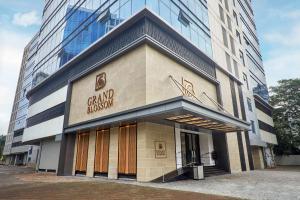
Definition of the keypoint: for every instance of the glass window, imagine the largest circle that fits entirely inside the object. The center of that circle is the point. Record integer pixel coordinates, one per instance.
(228, 62)
(249, 104)
(253, 126)
(242, 57)
(225, 40)
(226, 5)
(232, 45)
(221, 12)
(236, 18)
(245, 78)
(236, 69)
(229, 23)
(238, 35)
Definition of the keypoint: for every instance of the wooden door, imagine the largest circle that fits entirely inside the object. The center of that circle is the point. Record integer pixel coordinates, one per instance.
(101, 154)
(82, 152)
(127, 150)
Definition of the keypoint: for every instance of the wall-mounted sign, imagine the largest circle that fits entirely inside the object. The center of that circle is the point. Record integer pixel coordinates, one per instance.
(188, 88)
(101, 100)
(160, 149)
(100, 81)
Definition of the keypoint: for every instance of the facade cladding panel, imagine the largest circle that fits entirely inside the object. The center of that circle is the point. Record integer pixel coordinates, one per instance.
(80, 38)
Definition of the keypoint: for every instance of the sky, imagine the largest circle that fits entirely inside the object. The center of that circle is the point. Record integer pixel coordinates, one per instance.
(278, 27)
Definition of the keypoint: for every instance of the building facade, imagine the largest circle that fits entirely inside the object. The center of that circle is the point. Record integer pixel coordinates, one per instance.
(100, 107)
(15, 151)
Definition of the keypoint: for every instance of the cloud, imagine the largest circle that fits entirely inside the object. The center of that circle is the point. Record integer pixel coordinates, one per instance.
(282, 64)
(11, 51)
(286, 37)
(284, 13)
(26, 19)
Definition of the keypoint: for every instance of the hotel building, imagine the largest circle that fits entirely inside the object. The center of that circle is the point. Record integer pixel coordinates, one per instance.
(148, 88)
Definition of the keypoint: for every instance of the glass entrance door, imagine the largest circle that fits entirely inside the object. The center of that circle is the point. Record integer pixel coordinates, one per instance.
(190, 148)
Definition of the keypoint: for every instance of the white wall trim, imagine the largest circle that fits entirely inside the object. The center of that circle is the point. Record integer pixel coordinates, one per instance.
(45, 129)
(49, 101)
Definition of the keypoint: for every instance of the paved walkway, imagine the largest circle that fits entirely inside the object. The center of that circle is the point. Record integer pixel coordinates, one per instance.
(280, 183)
(18, 185)
(258, 185)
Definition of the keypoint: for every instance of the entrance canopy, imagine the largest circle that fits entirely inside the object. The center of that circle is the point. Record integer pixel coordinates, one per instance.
(180, 110)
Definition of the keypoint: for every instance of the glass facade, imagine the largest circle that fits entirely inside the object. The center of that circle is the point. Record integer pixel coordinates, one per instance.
(26, 85)
(71, 26)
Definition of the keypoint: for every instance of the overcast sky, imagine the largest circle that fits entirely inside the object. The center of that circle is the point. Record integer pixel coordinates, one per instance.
(278, 24)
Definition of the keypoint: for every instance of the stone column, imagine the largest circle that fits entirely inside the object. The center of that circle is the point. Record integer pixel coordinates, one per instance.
(233, 152)
(245, 151)
(75, 154)
(91, 154)
(113, 153)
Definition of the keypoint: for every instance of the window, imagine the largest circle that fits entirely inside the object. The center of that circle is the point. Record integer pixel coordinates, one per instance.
(232, 45)
(249, 104)
(245, 78)
(30, 150)
(228, 62)
(183, 18)
(226, 5)
(233, 2)
(236, 68)
(253, 126)
(221, 11)
(236, 18)
(225, 40)
(229, 23)
(238, 35)
(24, 92)
(242, 57)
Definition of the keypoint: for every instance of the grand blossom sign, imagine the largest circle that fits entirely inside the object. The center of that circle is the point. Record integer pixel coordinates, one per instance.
(103, 99)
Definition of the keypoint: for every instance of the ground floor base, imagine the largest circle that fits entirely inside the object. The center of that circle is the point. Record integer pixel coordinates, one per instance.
(17, 159)
(263, 157)
(146, 151)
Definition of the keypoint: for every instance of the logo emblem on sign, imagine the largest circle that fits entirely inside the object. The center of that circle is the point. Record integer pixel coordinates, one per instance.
(188, 88)
(100, 81)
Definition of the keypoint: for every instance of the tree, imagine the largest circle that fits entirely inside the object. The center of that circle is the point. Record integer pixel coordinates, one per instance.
(2, 143)
(285, 98)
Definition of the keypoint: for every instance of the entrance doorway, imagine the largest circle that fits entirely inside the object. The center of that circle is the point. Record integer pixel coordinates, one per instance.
(82, 152)
(127, 150)
(190, 147)
(101, 152)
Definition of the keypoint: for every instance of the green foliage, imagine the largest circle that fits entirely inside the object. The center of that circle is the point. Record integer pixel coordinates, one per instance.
(285, 99)
(2, 143)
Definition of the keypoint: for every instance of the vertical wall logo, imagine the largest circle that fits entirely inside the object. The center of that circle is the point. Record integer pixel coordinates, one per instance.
(100, 81)
(187, 87)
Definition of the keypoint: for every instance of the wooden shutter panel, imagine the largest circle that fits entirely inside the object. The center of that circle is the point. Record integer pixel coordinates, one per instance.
(127, 150)
(82, 152)
(101, 154)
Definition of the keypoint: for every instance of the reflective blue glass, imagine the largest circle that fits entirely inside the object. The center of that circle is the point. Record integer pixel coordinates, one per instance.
(71, 26)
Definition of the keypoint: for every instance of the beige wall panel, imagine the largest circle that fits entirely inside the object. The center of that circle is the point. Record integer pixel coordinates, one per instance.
(74, 157)
(245, 151)
(113, 153)
(257, 158)
(136, 82)
(264, 117)
(91, 154)
(149, 167)
(225, 91)
(159, 85)
(125, 75)
(268, 137)
(233, 151)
